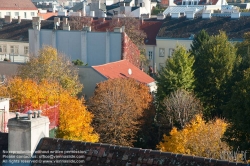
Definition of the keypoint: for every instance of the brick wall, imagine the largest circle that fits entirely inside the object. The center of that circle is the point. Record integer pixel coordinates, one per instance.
(130, 51)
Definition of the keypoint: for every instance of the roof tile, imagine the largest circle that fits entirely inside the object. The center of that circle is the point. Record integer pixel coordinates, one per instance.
(120, 69)
(17, 5)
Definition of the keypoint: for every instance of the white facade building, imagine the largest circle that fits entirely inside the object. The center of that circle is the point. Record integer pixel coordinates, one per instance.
(14, 8)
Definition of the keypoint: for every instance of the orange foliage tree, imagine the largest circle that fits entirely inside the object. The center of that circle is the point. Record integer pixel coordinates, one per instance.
(72, 116)
(197, 138)
(119, 106)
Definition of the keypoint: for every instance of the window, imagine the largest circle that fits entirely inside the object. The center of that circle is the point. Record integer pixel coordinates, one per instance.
(7, 13)
(25, 15)
(161, 52)
(3, 49)
(150, 55)
(0, 15)
(26, 50)
(32, 13)
(16, 13)
(171, 51)
(14, 49)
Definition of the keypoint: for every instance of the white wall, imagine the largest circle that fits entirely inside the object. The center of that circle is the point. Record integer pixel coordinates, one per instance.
(21, 13)
(4, 113)
(93, 48)
(18, 57)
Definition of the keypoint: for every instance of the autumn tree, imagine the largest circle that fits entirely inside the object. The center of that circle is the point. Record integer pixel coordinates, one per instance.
(119, 107)
(71, 117)
(197, 138)
(177, 74)
(132, 29)
(52, 65)
(214, 62)
(78, 22)
(238, 114)
(179, 108)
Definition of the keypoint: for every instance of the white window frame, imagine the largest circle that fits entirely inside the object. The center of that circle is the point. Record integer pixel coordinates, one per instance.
(162, 52)
(16, 13)
(171, 51)
(32, 14)
(3, 49)
(14, 49)
(26, 50)
(150, 54)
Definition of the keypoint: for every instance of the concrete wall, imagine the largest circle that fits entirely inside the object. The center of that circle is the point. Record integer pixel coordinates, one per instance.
(20, 13)
(93, 48)
(89, 77)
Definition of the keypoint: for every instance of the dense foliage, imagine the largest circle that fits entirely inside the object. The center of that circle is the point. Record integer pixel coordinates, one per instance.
(120, 107)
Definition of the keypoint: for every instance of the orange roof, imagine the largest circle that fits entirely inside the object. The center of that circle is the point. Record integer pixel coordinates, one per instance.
(121, 69)
(45, 16)
(17, 5)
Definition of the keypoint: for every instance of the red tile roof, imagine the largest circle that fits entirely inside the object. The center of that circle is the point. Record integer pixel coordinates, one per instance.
(45, 16)
(17, 5)
(120, 69)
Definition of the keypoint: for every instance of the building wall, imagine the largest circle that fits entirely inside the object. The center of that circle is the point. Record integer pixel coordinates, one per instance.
(168, 45)
(89, 77)
(93, 48)
(15, 13)
(19, 56)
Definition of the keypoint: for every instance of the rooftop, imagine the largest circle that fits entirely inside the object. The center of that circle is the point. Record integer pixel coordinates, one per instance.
(17, 5)
(184, 28)
(123, 68)
(106, 154)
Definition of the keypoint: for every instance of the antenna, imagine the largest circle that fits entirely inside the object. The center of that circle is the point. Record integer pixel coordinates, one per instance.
(129, 71)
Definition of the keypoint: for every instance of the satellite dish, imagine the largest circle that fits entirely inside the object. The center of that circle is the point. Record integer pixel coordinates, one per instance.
(129, 71)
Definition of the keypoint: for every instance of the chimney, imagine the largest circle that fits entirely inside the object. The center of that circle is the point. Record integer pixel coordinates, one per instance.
(19, 20)
(56, 22)
(25, 133)
(8, 19)
(86, 28)
(65, 21)
(36, 23)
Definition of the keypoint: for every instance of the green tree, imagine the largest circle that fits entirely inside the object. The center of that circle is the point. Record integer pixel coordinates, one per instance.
(177, 74)
(197, 44)
(51, 65)
(237, 112)
(214, 63)
(79, 63)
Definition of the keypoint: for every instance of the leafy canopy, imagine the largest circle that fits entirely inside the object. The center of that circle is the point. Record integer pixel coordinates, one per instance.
(197, 138)
(119, 106)
(51, 65)
(177, 74)
(73, 118)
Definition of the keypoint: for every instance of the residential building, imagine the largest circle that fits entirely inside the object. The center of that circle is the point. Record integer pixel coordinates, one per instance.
(93, 48)
(91, 76)
(14, 8)
(181, 31)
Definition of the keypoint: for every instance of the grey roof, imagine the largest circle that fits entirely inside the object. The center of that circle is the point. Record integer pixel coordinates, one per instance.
(93, 154)
(19, 32)
(184, 28)
(77, 7)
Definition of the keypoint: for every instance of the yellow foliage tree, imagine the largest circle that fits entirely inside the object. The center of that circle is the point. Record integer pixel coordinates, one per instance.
(52, 65)
(197, 138)
(74, 119)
